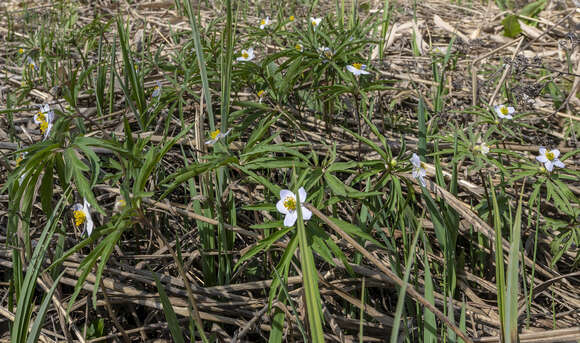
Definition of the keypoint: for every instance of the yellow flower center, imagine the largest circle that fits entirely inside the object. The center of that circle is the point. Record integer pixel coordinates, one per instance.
(80, 217)
(504, 110)
(21, 51)
(314, 23)
(263, 22)
(32, 66)
(40, 116)
(550, 155)
(43, 126)
(121, 203)
(18, 160)
(291, 18)
(328, 53)
(298, 47)
(357, 65)
(245, 54)
(290, 203)
(214, 134)
(260, 93)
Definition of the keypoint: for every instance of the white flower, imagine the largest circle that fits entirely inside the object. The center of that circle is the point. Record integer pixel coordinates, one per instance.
(315, 22)
(550, 158)
(357, 68)
(82, 215)
(482, 147)
(504, 112)
(264, 23)
(299, 47)
(419, 171)
(156, 89)
(31, 64)
(247, 55)
(120, 204)
(216, 135)
(287, 205)
(439, 50)
(44, 118)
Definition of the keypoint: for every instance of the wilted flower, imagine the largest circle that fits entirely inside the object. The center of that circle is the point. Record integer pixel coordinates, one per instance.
(357, 68)
(326, 52)
(82, 215)
(439, 50)
(216, 135)
(504, 112)
(550, 158)
(261, 95)
(419, 171)
(264, 23)
(287, 206)
(247, 55)
(156, 89)
(315, 22)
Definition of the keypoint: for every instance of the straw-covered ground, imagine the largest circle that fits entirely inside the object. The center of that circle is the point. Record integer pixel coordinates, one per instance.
(289, 171)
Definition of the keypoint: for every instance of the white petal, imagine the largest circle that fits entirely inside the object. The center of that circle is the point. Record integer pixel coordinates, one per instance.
(509, 116)
(77, 207)
(302, 194)
(559, 163)
(306, 213)
(542, 158)
(423, 183)
(352, 69)
(422, 172)
(511, 110)
(280, 207)
(284, 193)
(416, 161)
(542, 151)
(415, 173)
(89, 224)
(290, 218)
(211, 141)
(556, 153)
(549, 165)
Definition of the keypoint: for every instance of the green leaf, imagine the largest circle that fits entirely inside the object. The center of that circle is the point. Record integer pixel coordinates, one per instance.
(511, 27)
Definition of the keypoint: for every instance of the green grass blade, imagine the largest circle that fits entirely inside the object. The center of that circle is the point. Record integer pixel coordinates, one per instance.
(169, 313)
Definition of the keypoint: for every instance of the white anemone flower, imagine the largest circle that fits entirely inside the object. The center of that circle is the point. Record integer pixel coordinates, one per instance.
(299, 47)
(216, 135)
(120, 204)
(482, 147)
(357, 68)
(247, 55)
(315, 22)
(439, 50)
(264, 23)
(504, 112)
(44, 118)
(287, 206)
(550, 158)
(31, 64)
(156, 89)
(82, 215)
(419, 171)
(261, 93)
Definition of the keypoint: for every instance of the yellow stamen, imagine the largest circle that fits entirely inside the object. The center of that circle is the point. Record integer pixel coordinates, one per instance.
(290, 203)
(40, 116)
(298, 47)
(43, 126)
(245, 54)
(504, 110)
(21, 51)
(80, 217)
(314, 23)
(550, 155)
(260, 93)
(357, 65)
(214, 134)
(291, 18)
(32, 66)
